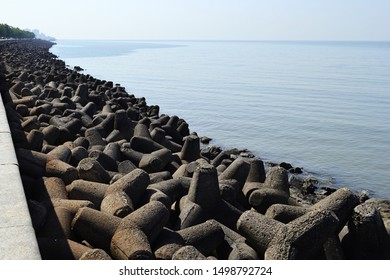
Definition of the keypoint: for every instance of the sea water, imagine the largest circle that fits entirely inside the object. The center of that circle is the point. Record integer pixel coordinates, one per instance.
(323, 106)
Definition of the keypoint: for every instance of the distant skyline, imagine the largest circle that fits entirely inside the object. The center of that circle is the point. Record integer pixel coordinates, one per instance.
(339, 20)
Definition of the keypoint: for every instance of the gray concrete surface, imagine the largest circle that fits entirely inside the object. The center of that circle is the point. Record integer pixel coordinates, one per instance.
(17, 236)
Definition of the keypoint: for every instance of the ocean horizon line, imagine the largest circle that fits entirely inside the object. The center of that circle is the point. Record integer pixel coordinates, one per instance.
(228, 40)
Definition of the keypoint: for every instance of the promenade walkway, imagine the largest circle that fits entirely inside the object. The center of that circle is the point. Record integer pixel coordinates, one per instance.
(17, 237)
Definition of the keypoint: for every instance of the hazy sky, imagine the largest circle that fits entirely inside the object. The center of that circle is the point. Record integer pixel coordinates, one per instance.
(202, 19)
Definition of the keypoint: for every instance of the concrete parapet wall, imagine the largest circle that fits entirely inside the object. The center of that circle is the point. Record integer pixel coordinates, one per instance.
(17, 237)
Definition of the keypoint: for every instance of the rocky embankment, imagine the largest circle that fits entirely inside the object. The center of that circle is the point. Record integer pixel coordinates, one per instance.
(108, 177)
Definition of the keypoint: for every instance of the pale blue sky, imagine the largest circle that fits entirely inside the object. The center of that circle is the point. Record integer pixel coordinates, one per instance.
(203, 19)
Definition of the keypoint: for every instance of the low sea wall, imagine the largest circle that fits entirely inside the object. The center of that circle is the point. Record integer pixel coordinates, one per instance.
(97, 173)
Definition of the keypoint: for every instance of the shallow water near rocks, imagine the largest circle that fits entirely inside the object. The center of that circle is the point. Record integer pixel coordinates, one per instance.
(323, 106)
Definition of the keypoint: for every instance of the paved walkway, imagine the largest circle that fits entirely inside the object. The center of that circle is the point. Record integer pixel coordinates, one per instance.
(17, 237)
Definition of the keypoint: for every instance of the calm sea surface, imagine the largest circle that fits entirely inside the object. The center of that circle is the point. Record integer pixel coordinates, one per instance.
(323, 106)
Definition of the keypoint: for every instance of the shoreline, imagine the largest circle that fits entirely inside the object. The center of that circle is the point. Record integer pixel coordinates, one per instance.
(90, 152)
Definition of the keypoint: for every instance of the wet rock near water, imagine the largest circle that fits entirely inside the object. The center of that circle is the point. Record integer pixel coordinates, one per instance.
(107, 176)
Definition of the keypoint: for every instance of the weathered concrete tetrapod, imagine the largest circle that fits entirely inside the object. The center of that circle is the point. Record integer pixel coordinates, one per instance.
(52, 188)
(90, 169)
(172, 188)
(105, 127)
(96, 227)
(31, 163)
(87, 190)
(35, 140)
(50, 134)
(81, 142)
(138, 230)
(142, 130)
(258, 229)
(238, 170)
(242, 251)
(229, 189)
(144, 145)
(285, 213)
(89, 109)
(117, 203)
(104, 159)
(66, 249)
(123, 124)
(78, 153)
(204, 202)
(133, 186)
(61, 152)
(113, 150)
(94, 138)
(171, 129)
(191, 149)
(203, 192)
(153, 162)
(219, 158)
(157, 177)
(188, 252)
(256, 171)
(204, 188)
(262, 199)
(235, 246)
(126, 166)
(206, 237)
(167, 243)
(367, 237)
(61, 169)
(304, 237)
(333, 249)
(158, 135)
(72, 205)
(341, 202)
(277, 178)
(274, 190)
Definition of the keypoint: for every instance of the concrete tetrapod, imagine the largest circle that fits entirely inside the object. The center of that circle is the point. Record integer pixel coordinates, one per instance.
(191, 149)
(66, 249)
(150, 162)
(341, 202)
(367, 237)
(119, 198)
(90, 169)
(258, 229)
(188, 252)
(138, 230)
(205, 237)
(203, 201)
(167, 191)
(254, 226)
(127, 238)
(275, 189)
(303, 238)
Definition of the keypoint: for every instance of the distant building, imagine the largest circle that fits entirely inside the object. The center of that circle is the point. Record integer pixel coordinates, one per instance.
(42, 36)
